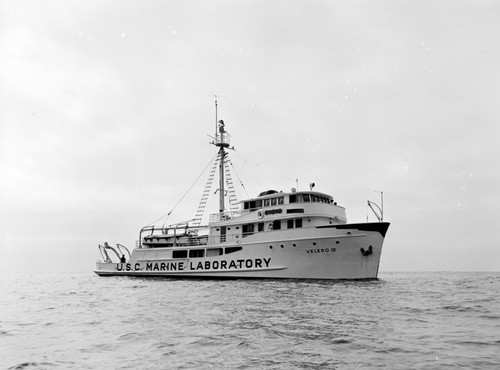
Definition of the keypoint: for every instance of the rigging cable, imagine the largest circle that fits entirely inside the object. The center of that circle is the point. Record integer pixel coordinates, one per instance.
(239, 179)
(180, 200)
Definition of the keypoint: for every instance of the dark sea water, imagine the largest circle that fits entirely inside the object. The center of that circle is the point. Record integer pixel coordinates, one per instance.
(402, 321)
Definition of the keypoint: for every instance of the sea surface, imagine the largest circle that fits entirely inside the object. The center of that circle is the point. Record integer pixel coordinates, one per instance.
(441, 320)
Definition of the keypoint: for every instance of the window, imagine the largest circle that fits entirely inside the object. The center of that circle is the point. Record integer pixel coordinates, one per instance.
(295, 210)
(276, 225)
(196, 253)
(289, 224)
(292, 198)
(266, 202)
(273, 201)
(281, 200)
(255, 204)
(305, 197)
(248, 229)
(233, 249)
(298, 222)
(180, 254)
(212, 252)
(260, 226)
(223, 234)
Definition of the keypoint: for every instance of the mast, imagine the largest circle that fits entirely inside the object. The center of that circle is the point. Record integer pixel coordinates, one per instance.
(222, 142)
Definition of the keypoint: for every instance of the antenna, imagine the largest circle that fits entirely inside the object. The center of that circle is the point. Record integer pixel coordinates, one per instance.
(216, 98)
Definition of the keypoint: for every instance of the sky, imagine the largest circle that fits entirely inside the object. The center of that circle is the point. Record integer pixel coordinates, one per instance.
(106, 108)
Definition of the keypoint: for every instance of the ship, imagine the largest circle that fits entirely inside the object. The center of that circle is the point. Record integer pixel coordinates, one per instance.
(299, 234)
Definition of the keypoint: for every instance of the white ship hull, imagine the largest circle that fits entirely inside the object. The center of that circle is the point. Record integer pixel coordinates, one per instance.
(300, 234)
(325, 252)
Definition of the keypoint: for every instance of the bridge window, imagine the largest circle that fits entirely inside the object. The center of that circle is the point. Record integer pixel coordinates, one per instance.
(266, 202)
(281, 200)
(273, 201)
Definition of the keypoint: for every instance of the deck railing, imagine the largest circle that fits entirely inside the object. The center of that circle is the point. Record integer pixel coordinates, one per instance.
(223, 216)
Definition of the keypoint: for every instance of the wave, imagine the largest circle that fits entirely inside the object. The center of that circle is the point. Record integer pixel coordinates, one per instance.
(32, 365)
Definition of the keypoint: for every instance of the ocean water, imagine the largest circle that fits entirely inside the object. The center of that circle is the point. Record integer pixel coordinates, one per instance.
(402, 321)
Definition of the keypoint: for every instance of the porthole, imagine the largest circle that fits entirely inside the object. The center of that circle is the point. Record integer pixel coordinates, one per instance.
(314, 243)
(337, 242)
(294, 244)
(282, 246)
(270, 247)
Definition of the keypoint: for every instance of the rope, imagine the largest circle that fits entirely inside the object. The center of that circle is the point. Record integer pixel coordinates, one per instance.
(239, 179)
(180, 200)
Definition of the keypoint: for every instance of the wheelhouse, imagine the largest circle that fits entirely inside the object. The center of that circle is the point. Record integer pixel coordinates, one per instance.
(273, 198)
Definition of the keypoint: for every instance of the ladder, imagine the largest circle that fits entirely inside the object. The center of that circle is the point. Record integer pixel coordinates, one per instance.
(206, 193)
(233, 200)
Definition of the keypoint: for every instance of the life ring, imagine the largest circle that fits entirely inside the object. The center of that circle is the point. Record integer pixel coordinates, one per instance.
(260, 214)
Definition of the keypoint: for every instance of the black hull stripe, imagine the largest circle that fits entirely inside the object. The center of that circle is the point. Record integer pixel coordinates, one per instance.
(380, 227)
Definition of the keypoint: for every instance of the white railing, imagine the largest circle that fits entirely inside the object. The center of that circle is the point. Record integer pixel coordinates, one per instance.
(222, 138)
(222, 216)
